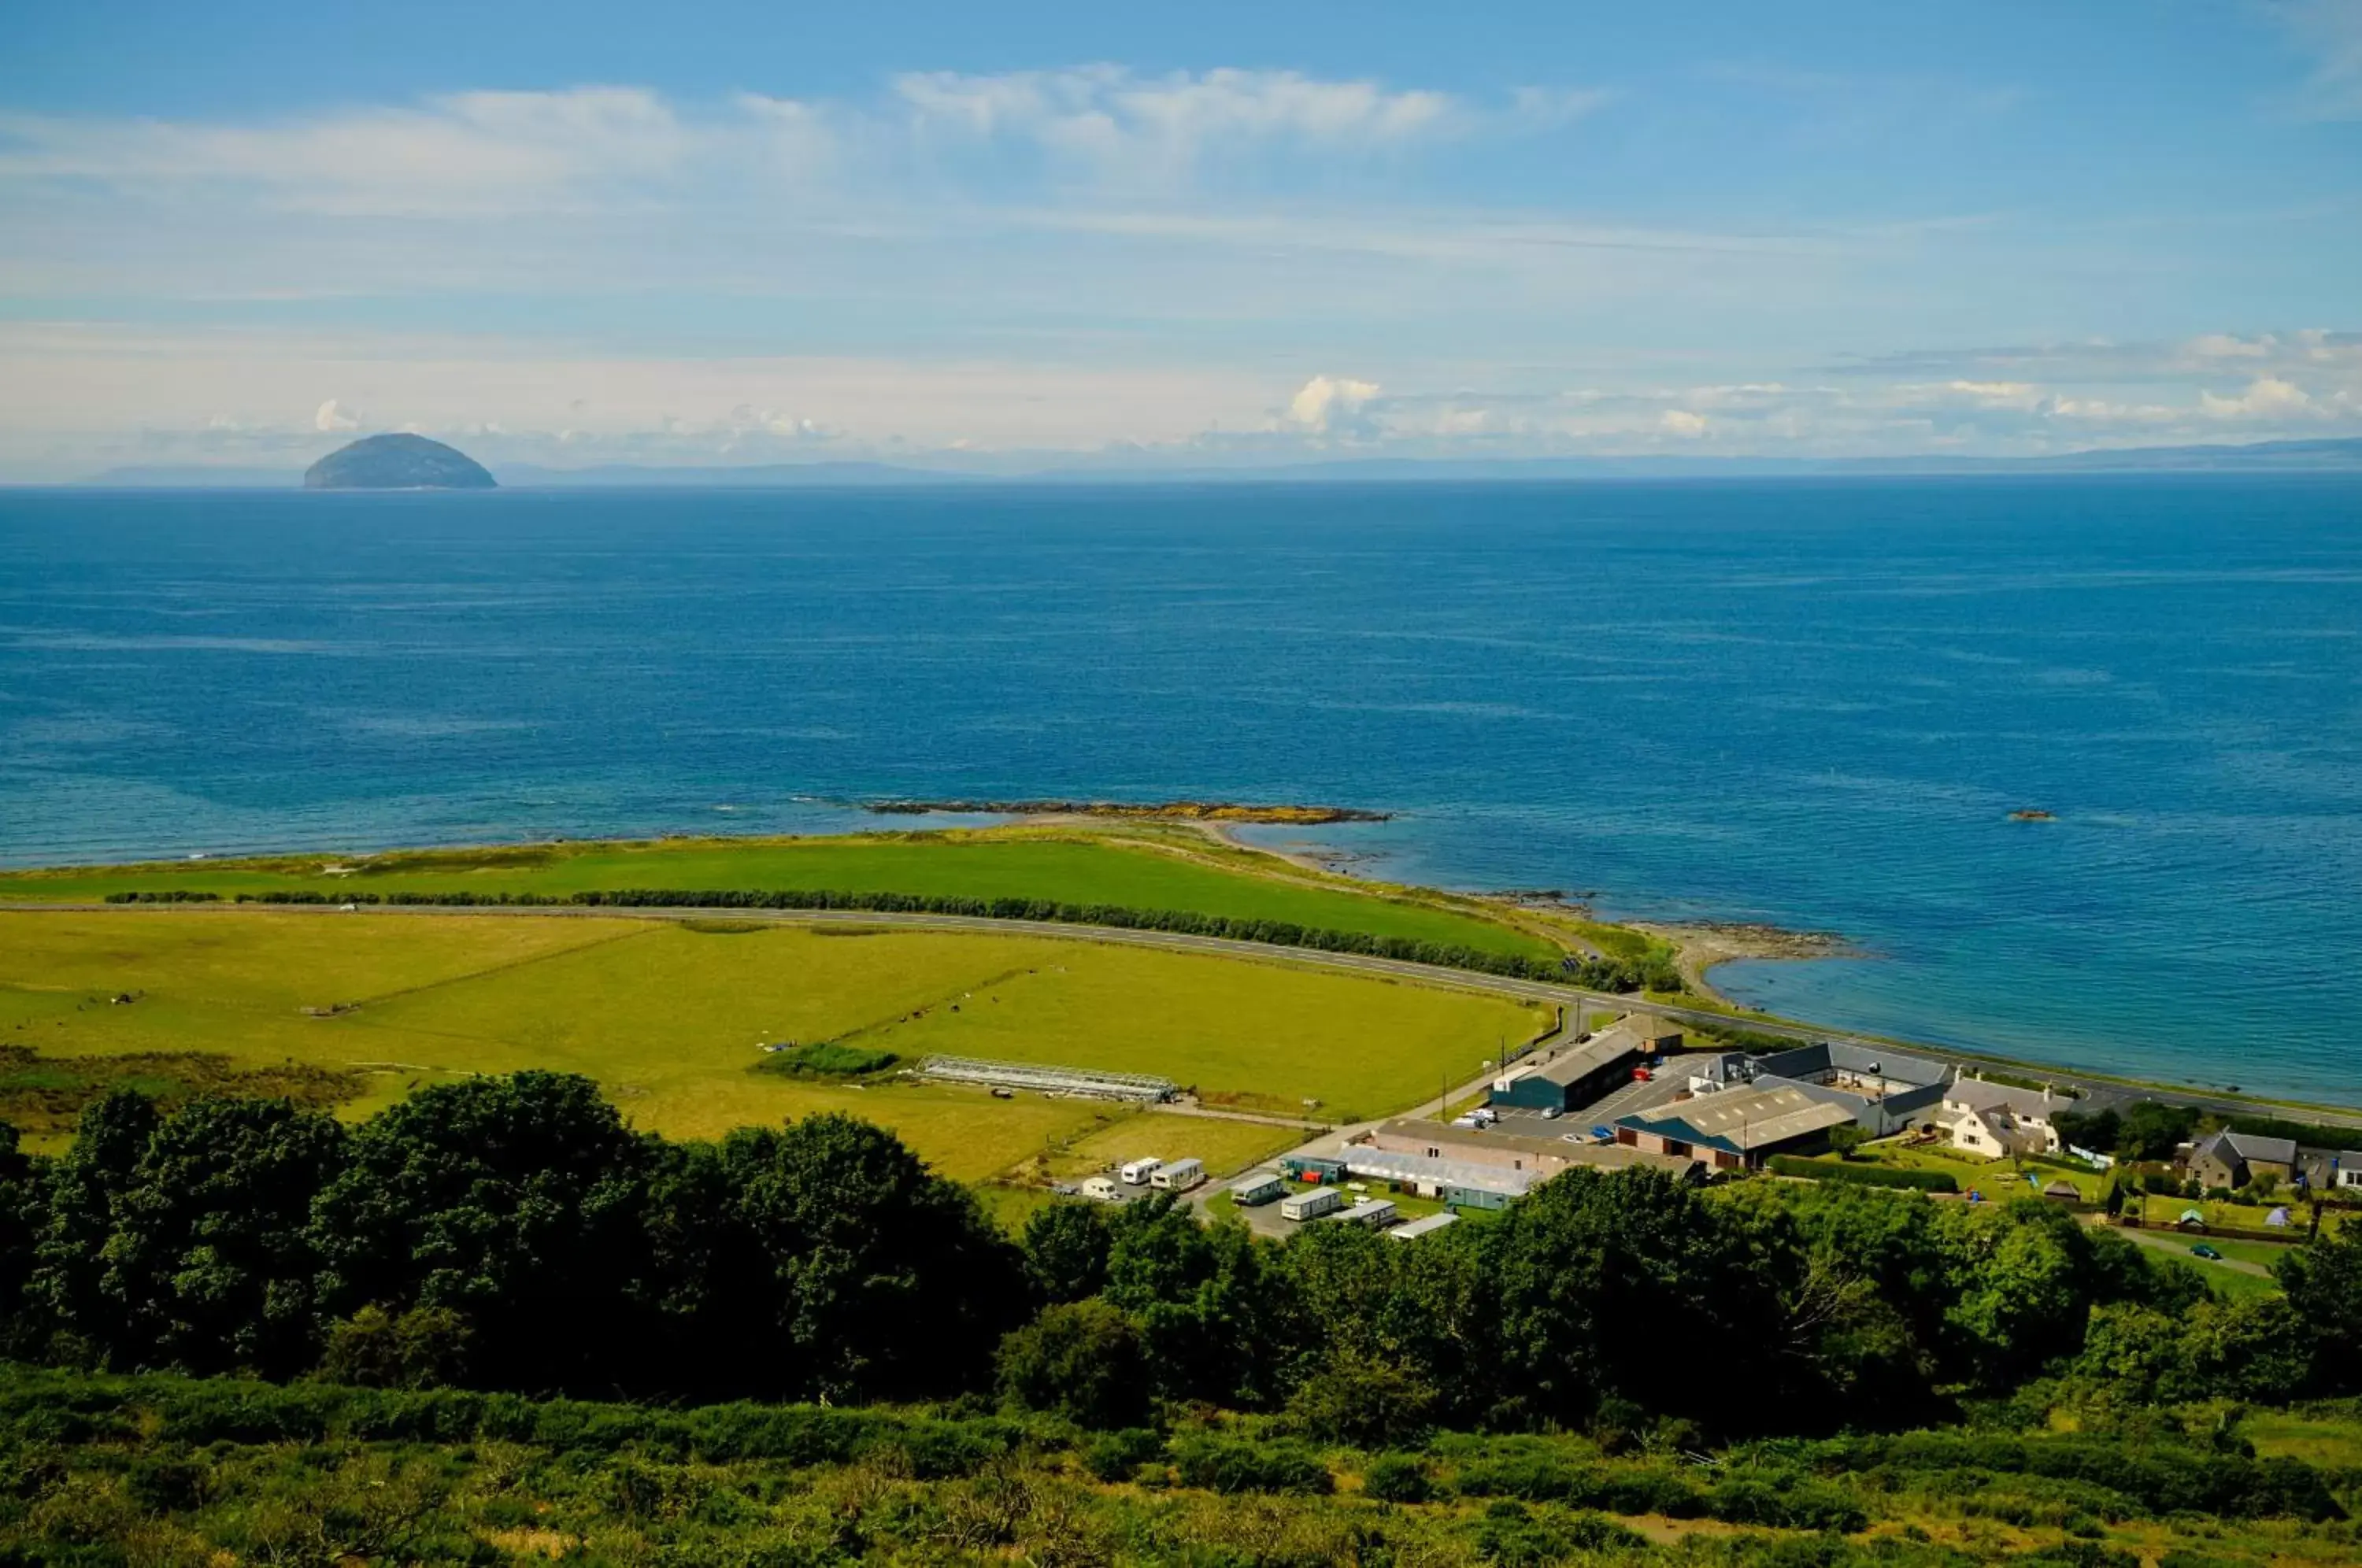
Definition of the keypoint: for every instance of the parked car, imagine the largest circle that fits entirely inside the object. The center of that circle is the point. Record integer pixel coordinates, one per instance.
(2202, 1251)
(1551, 1113)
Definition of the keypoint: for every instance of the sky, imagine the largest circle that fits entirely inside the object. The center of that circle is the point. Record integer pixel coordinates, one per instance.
(1208, 234)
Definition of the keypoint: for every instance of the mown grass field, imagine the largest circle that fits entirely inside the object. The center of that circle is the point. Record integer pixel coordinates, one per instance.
(1084, 869)
(668, 1018)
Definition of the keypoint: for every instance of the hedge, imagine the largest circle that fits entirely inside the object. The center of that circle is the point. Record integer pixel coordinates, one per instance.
(1863, 1176)
(1596, 974)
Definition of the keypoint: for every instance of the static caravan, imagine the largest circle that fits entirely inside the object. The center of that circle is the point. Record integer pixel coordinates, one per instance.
(1137, 1172)
(1179, 1176)
(1311, 1205)
(1262, 1187)
(1377, 1214)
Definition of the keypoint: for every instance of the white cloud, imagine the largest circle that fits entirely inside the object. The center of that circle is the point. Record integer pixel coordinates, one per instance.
(465, 151)
(333, 417)
(2266, 397)
(1107, 113)
(1334, 405)
(1681, 422)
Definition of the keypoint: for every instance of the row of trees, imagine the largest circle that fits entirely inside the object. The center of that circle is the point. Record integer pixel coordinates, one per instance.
(1654, 971)
(515, 1233)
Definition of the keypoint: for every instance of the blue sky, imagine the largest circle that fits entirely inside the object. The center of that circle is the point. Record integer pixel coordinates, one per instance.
(1211, 234)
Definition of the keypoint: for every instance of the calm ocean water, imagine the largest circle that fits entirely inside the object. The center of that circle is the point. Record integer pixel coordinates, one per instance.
(1807, 703)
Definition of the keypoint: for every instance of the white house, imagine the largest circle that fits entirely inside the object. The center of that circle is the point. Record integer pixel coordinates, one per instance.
(1998, 1120)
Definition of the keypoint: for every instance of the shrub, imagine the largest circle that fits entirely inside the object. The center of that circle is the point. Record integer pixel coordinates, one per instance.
(1083, 1360)
(826, 1061)
(1863, 1176)
(1118, 1456)
(1397, 1478)
(1230, 1464)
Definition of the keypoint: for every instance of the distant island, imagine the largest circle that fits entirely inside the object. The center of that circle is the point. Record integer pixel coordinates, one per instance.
(398, 462)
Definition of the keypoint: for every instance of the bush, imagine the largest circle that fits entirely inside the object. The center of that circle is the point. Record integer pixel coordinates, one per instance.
(1118, 1456)
(1083, 1360)
(1397, 1478)
(1863, 1176)
(826, 1061)
(1231, 1464)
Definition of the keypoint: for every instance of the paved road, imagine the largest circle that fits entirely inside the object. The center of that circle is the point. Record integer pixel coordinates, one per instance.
(2097, 1092)
(2182, 1251)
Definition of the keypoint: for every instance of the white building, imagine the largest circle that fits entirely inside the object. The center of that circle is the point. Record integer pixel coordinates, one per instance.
(1999, 1122)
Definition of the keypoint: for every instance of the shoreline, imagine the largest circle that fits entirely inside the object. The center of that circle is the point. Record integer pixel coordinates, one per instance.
(1701, 946)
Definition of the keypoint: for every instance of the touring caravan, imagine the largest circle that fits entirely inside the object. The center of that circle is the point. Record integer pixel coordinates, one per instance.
(1137, 1172)
(1179, 1176)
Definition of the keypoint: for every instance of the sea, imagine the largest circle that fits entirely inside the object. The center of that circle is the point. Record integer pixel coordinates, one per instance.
(1809, 703)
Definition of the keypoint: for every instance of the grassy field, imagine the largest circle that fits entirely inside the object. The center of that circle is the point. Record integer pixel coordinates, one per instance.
(667, 1017)
(1226, 1147)
(1082, 869)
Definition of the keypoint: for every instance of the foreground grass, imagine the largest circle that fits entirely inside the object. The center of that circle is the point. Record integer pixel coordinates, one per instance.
(1106, 868)
(170, 1471)
(667, 1015)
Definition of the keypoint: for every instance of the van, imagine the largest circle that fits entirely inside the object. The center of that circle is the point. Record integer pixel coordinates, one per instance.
(1179, 1176)
(1137, 1172)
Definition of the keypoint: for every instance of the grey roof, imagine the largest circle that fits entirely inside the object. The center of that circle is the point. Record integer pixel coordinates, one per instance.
(2248, 1147)
(1979, 1095)
(1424, 1226)
(1648, 1026)
(1836, 1056)
(1605, 1049)
(1739, 1120)
(1582, 1152)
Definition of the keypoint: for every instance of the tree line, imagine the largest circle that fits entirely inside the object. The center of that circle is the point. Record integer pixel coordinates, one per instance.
(514, 1234)
(1654, 972)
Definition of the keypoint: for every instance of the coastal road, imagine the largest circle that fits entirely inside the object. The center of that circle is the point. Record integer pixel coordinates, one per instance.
(2096, 1092)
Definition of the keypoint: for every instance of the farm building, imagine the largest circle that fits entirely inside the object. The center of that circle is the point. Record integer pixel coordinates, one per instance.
(1574, 1075)
(1736, 1128)
(1312, 1168)
(1087, 1083)
(1545, 1155)
(1884, 1090)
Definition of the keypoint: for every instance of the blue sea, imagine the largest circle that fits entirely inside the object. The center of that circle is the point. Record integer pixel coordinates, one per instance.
(1810, 703)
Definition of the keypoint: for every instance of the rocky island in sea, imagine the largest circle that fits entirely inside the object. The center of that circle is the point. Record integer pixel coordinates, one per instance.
(398, 462)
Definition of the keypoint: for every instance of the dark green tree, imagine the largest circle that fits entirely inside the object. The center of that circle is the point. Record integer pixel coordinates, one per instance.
(1067, 1250)
(210, 1260)
(2322, 1282)
(884, 1280)
(24, 1210)
(1201, 1298)
(1083, 1360)
(514, 1202)
(71, 1285)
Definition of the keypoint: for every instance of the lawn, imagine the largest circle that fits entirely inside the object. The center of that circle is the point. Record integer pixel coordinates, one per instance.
(1081, 869)
(667, 1017)
(1226, 1147)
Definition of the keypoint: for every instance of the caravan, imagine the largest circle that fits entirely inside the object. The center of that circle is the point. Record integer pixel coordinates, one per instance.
(1137, 1172)
(1179, 1176)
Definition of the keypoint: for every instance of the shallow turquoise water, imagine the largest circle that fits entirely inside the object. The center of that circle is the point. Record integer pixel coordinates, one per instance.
(1808, 704)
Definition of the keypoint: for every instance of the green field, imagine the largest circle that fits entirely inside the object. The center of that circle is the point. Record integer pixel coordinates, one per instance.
(667, 1017)
(1085, 869)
